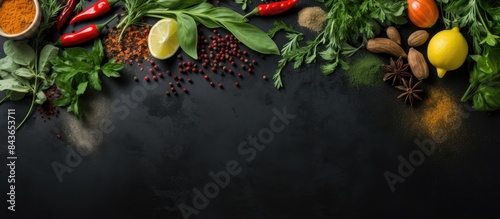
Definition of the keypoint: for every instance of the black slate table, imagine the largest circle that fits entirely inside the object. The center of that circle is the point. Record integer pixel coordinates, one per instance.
(319, 148)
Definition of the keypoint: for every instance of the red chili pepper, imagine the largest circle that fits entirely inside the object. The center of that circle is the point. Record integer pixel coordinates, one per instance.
(273, 8)
(94, 11)
(65, 14)
(87, 33)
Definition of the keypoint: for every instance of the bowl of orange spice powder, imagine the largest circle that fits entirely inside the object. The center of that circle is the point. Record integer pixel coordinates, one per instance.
(19, 19)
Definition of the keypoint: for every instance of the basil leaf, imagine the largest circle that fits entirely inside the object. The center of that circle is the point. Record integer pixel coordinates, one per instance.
(201, 14)
(13, 85)
(98, 52)
(5, 75)
(176, 5)
(252, 37)
(8, 65)
(77, 54)
(20, 52)
(63, 101)
(111, 69)
(487, 98)
(94, 80)
(81, 88)
(40, 97)
(225, 14)
(187, 33)
(15, 96)
(25, 73)
(48, 52)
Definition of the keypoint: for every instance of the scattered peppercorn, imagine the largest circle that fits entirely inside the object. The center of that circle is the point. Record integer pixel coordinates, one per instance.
(146, 78)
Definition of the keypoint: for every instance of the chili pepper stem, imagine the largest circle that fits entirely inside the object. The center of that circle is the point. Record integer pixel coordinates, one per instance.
(100, 27)
(255, 11)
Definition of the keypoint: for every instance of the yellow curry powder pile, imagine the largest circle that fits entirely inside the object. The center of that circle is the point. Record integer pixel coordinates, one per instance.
(133, 47)
(16, 15)
(440, 113)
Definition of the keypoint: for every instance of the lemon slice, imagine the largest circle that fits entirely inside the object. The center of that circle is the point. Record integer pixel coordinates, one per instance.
(162, 39)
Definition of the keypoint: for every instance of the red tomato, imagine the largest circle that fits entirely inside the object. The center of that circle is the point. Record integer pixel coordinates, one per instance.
(423, 13)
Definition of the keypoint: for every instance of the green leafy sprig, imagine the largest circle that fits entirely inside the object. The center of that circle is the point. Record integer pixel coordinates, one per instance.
(350, 23)
(23, 72)
(294, 38)
(78, 69)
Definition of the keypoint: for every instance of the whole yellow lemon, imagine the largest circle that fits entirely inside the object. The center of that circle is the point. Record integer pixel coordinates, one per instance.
(447, 50)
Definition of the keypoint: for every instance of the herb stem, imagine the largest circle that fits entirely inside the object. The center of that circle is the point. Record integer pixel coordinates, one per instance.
(6, 96)
(467, 95)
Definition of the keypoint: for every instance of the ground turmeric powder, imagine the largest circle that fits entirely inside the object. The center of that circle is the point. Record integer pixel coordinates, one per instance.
(16, 15)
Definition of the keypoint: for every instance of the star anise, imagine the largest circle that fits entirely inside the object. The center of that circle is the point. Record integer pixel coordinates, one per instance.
(396, 70)
(410, 91)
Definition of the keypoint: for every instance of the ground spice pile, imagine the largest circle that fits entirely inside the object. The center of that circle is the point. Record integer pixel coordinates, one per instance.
(440, 112)
(133, 47)
(312, 18)
(16, 15)
(365, 71)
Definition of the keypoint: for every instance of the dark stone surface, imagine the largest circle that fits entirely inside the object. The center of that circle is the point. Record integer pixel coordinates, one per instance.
(328, 162)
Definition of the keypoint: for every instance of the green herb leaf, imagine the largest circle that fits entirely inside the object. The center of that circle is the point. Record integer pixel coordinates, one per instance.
(81, 88)
(98, 52)
(47, 53)
(16, 96)
(20, 52)
(187, 33)
(8, 65)
(177, 5)
(112, 69)
(77, 54)
(40, 97)
(25, 73)
(94, 80)
(13, 85)
(252, 37)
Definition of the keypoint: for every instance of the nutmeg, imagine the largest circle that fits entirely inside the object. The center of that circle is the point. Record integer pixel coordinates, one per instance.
(417, 63)
(385, 45)
(393, 34)
(418, 38)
